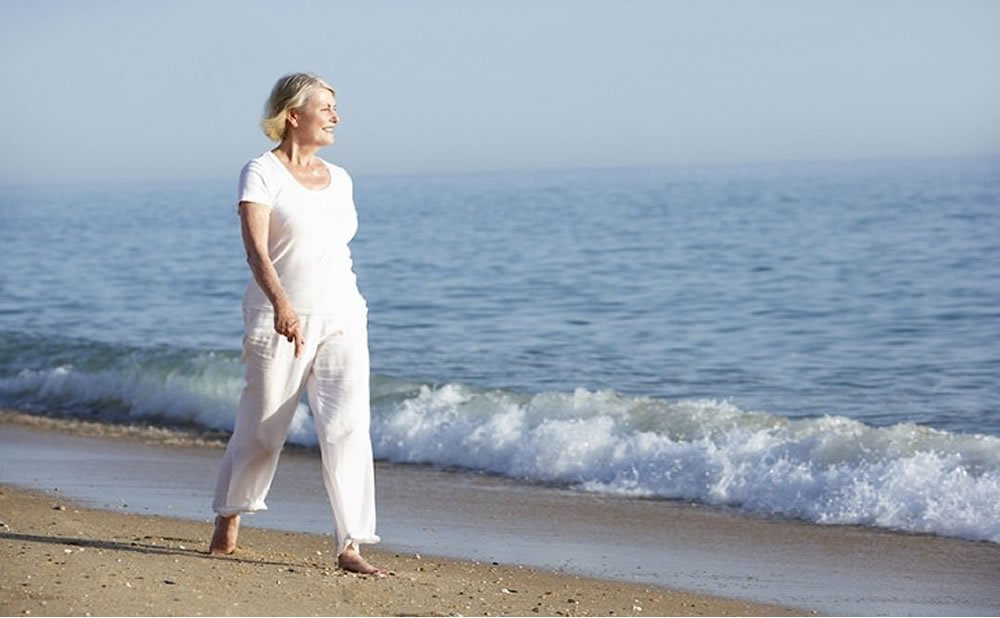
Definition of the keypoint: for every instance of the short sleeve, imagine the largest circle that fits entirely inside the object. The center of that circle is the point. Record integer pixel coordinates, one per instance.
(253, 185)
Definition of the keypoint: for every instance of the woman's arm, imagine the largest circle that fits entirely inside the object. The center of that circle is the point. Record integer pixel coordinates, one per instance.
(254, 222)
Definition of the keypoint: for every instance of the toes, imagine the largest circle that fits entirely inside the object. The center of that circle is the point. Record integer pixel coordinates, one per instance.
(356, 564)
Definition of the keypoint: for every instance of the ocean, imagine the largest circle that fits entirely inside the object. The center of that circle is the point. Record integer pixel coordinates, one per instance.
(808, 341)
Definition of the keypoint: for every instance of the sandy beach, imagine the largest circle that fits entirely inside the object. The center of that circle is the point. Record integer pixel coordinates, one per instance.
(84, 530)
(61, 559)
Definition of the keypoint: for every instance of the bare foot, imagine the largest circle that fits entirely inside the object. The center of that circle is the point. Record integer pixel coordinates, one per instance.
(224, 537)
(351, 560)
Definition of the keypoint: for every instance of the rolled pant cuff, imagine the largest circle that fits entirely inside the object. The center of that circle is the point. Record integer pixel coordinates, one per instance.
(229, 511)
(355, 543)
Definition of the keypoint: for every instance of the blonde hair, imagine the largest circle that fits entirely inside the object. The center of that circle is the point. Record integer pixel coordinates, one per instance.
(290, 92)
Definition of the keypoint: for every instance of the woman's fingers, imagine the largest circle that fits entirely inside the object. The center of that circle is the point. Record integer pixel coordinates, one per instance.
(294, 335)
(289, 329)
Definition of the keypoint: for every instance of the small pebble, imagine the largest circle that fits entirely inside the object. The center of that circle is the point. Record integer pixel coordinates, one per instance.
(59, 507)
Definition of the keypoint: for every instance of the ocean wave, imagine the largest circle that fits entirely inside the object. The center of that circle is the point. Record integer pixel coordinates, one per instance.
(828, 470)
(199, 390)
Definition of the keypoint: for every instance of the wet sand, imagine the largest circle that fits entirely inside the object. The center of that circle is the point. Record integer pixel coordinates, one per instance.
(656, 545)
(59, 559)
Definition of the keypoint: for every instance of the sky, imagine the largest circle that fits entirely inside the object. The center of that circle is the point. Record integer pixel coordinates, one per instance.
(106, 90)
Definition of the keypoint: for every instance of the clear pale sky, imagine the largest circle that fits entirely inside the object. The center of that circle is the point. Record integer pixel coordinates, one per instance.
(127, 90)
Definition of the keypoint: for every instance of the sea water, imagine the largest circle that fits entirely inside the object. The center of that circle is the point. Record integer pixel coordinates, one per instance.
(816, 341)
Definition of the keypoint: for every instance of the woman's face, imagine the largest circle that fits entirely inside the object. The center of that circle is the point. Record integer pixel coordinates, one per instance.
(313, 122)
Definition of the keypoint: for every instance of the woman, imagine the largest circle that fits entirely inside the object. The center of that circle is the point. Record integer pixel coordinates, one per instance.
(306, 324)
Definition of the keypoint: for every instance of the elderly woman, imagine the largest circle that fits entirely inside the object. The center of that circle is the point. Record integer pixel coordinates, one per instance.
(306, 324)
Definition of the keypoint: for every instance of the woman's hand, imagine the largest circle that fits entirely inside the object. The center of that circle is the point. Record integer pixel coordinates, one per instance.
(286, 323)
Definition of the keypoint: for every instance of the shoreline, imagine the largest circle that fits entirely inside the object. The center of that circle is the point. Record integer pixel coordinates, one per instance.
(476, 518)
(431, 586)
(60, 558)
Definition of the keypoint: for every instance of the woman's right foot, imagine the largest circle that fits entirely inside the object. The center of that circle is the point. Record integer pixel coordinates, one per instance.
(351, 560)
(224, 537)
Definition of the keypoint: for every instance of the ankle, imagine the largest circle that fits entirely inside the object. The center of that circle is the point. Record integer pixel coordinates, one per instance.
(227, 520)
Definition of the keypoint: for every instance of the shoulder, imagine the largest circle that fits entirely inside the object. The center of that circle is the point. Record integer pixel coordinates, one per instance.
(263, 165)
(338, 175)
(264, 170)
(335, 169)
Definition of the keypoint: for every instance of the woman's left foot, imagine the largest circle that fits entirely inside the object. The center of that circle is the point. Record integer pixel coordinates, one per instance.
(351, 560)
(224, 537)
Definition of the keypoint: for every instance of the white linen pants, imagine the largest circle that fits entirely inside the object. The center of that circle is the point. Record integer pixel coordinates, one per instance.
(334, 370)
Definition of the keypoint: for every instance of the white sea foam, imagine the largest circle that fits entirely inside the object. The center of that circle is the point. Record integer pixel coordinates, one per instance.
(827, 470)
(830, 470)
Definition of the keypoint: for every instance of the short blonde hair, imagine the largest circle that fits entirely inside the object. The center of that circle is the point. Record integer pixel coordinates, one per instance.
(290, 92)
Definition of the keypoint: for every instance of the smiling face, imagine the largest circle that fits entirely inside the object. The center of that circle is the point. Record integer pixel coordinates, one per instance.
(313, 123)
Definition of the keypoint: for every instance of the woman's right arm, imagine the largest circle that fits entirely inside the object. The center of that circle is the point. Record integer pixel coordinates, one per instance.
(254, 223)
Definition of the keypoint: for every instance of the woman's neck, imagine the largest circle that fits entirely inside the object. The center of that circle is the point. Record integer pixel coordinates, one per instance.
(296, 154)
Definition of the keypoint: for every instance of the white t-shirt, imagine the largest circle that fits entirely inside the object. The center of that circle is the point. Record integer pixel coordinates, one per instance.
(307, 239)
